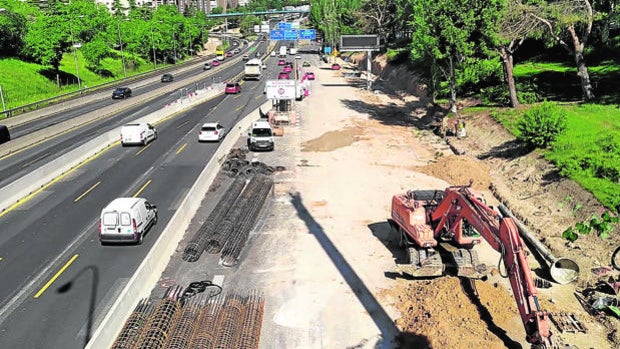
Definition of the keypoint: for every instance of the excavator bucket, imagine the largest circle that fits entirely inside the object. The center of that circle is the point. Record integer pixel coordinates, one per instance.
(423, 263)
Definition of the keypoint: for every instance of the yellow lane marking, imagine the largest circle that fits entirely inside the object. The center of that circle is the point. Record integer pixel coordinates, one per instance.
(35, 160)
(181, 148)
(87, 191)
(239, 108)
(141, 189)
(143, 149)
(51, 281)
(183, 124)
(49, 184)
(259, 97)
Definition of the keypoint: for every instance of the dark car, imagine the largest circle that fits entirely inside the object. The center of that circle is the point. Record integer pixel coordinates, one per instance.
(121, 92)
(229, 54)
(167, 77)
(4, 134)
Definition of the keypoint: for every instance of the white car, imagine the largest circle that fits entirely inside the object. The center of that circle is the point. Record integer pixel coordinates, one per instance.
(211, 132)
(273, 53)
(138, 133)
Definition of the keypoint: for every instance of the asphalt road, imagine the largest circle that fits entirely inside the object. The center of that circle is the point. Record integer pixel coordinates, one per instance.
(17, 164)
(57, 280)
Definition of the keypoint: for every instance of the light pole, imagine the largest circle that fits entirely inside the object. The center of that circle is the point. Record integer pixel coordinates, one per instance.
(153, 44)
(174, 43)
(77, 71)
(120, 40)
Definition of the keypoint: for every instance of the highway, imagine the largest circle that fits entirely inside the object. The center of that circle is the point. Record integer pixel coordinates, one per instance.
(57, 280)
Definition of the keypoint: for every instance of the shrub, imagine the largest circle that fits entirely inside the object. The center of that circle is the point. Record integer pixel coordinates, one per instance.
(542, 124)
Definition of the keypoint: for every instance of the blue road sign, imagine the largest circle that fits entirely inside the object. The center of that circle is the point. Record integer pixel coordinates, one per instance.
(327, 49)
(307, 34)
(290, 34)
(284, 25)
(276, 34)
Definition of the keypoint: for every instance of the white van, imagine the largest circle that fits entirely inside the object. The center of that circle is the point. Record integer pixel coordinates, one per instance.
(138, 133)
(126, 220)
(260, 136)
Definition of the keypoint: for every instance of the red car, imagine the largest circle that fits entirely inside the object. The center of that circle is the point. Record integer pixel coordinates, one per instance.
(281, 62)
(335, 66)
(309, 75)
(215, 63)
(232, 87)
(287, 69)
(229, 54)
(283, 76)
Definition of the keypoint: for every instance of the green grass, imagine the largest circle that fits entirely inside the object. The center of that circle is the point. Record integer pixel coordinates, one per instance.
(23, 83)
(588, 152)
(529, 69)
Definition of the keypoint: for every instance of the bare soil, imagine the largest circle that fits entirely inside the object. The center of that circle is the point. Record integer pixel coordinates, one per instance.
(437, 313)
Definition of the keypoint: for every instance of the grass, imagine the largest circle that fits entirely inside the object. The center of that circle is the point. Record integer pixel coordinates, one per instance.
(23, 83)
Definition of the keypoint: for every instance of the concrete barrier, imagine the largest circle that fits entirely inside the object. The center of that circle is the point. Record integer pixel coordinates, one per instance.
(154, 264)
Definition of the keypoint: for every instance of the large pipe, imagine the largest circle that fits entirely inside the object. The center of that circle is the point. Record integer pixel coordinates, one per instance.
(563, 270)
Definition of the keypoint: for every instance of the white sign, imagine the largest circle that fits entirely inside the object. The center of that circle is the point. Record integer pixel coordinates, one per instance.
(264, 28)
(257, 28)
(280, 89)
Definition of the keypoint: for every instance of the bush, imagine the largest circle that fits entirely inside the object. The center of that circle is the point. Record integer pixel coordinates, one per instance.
(542, 124)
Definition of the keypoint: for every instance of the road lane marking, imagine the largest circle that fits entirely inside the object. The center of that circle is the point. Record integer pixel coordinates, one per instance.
(183, 124)
(51, 281)
(181, 148)
(87, 191)
(239, 108)
(35, 160)
(141, 189)
(259, 97)
(50, 183)
(143, 149)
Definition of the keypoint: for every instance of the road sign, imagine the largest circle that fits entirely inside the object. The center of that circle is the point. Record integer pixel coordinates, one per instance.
(276, 34)
(284, 25)
(264, 28)
(280, 89)
(327, 49)
(257, 28)
(359, 43)
(290, 34)
(307, 34)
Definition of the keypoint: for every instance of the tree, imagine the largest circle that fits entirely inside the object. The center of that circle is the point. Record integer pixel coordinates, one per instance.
(12, 29)
(572, 19)
(515, 26)
(380, 17)
(451, 33)
(45, 41)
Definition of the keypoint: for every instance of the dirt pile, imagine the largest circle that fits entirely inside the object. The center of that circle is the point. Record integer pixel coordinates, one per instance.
(458, 170)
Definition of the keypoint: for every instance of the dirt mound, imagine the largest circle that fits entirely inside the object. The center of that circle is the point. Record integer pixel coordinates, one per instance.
(458, 170)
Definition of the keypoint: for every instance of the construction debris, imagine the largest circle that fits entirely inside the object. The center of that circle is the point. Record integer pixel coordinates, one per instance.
(567, 322)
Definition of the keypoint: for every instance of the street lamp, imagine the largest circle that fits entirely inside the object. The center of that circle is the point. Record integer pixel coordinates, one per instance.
(153, 44)
(174, 43)
(77, 71)
(120, 40)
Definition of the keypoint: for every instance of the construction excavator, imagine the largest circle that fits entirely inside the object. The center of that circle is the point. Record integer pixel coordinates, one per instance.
(444, 225)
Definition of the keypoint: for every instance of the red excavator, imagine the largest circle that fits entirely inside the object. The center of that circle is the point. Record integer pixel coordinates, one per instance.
(460, 218)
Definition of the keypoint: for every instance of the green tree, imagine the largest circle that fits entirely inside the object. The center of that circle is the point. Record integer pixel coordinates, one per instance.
(45, 41)
(450, 33)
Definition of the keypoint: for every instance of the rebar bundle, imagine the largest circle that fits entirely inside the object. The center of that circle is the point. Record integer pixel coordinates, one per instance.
(233, 313)
(253, 321)
(161, 322)
(237, 240)
(222, 233)
(194, 248)
(207, 325)
(134, 325)
(181, 337)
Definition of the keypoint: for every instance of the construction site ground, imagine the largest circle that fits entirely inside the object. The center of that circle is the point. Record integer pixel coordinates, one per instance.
(324, 257)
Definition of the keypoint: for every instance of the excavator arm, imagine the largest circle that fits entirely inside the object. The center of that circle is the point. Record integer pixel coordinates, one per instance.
(461, 203)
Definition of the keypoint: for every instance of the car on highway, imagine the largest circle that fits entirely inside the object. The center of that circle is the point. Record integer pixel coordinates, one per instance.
(206, 66)
(215, 63)
(5, 136)
(306, 64)
(309, 75)
(211, 132)
(287, 69)
(229, 54)
(273, 53)
(237, 50)
(121, 93)
(298, 57)
(232, 88)
(126, 219)
(137, 133)
(246, 58)
(281, 62)
(283, 76)
(167, 77)
(336, 66)
(221, 58)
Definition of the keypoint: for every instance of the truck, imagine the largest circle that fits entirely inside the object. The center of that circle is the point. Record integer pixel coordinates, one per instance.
(253, 69)
(444, 225)
(282, 51)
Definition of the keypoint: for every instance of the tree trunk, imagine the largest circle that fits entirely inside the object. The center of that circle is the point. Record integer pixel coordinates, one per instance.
(582, 69)
(507, 61)
(452, 79)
